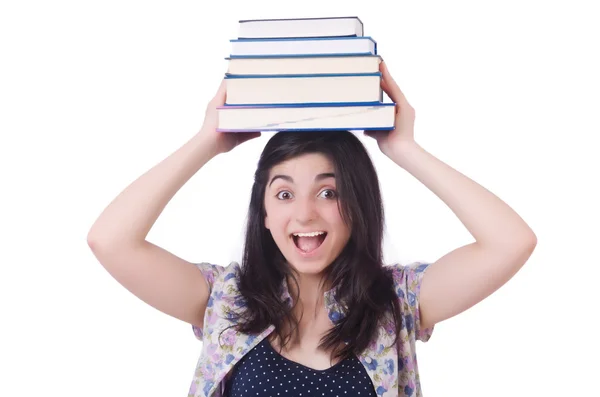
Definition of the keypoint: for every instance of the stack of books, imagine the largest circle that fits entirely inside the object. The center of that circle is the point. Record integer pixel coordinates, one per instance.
(304, 74)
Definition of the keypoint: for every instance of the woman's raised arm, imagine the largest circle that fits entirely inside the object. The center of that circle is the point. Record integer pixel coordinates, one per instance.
(118, 237)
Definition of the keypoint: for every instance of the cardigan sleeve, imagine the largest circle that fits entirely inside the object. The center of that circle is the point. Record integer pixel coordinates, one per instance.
(212, 274)
(407, 282)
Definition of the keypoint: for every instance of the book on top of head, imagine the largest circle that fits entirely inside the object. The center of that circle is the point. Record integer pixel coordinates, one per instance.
(300, 27)
(306, 116)
(304, 74)
(324, 64)
(303, 88)
(301, 47)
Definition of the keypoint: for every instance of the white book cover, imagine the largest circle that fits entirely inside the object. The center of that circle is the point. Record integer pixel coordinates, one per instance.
(304, 65)
(300, 27)
(303, 47)
(339, 116)
(307, 88)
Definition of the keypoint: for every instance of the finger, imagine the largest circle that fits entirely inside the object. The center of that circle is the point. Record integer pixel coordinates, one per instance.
(243, 137)
(385, 86)
(376, 134)
(390, 87)
(221, 95)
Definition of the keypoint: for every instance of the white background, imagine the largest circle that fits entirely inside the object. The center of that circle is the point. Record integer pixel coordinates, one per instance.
(92, 94)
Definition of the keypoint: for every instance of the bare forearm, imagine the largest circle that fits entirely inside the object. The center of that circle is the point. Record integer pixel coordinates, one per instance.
(130, 216)
(490, 221)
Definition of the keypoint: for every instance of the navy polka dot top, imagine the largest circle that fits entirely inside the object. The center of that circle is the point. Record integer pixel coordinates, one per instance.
(263, 372)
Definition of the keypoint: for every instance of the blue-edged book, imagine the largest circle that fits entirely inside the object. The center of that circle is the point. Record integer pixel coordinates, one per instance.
(303, 88)
(309, 64)
(300, 27)
(307, 117)
(299, 47)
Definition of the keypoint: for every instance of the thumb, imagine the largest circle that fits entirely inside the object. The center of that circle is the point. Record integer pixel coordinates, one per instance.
(246, 136)
(375, 134)
(221, 95)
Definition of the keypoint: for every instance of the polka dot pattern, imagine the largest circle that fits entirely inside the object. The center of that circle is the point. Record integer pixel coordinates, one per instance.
(263, 372)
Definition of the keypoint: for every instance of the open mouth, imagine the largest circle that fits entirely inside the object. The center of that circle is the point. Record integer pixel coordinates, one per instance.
(308, 242)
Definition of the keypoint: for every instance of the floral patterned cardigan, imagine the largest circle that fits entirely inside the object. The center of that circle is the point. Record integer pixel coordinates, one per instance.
(392, 369)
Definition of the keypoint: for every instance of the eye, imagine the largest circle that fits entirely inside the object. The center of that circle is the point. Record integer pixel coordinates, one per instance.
(331, 194)
(281, 197)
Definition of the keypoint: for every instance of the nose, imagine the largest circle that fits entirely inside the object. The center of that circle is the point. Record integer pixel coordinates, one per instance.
(305, 210)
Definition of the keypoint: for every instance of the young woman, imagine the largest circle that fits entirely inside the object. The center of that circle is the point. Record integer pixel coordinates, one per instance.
(311, 310)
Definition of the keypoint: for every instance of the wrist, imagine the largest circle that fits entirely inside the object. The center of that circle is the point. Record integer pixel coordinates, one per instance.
(205, 144)
(403, 152)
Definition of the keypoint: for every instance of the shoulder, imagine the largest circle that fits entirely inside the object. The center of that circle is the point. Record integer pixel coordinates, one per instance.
(218, 274)
(407, 283)
(223, 296)
(407, 278)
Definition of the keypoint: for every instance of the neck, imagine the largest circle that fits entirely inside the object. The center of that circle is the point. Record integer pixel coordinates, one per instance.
(309, 308)
(310, 292)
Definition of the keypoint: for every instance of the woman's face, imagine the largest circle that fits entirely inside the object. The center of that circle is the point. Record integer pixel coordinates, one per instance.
(302, 212)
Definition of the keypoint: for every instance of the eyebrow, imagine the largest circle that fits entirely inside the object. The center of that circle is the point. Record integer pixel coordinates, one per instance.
(291, 180)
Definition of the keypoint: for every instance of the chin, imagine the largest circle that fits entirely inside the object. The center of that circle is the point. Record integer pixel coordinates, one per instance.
(309, 269)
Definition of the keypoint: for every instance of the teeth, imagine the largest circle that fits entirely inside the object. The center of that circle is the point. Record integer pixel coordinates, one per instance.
(311, 234)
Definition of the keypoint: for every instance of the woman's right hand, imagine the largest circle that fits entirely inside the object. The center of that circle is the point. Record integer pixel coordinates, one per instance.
(222, 142)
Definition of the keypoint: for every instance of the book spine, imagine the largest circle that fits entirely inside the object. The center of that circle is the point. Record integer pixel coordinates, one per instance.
(369, 38)
(294, 76)
(306, 105)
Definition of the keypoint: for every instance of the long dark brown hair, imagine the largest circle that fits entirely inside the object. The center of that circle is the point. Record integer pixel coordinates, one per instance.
(362, 283)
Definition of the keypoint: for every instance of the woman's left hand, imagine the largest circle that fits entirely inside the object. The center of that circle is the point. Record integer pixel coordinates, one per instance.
(403, 133)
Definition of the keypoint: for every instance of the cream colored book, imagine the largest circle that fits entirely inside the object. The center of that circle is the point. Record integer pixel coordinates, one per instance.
(327, 116)
(304, 65)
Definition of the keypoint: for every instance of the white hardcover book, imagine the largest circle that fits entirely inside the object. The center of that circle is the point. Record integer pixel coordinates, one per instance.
(304, 65)
(310, 88)
(301, 27)
(306, 117)
(303, 47)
